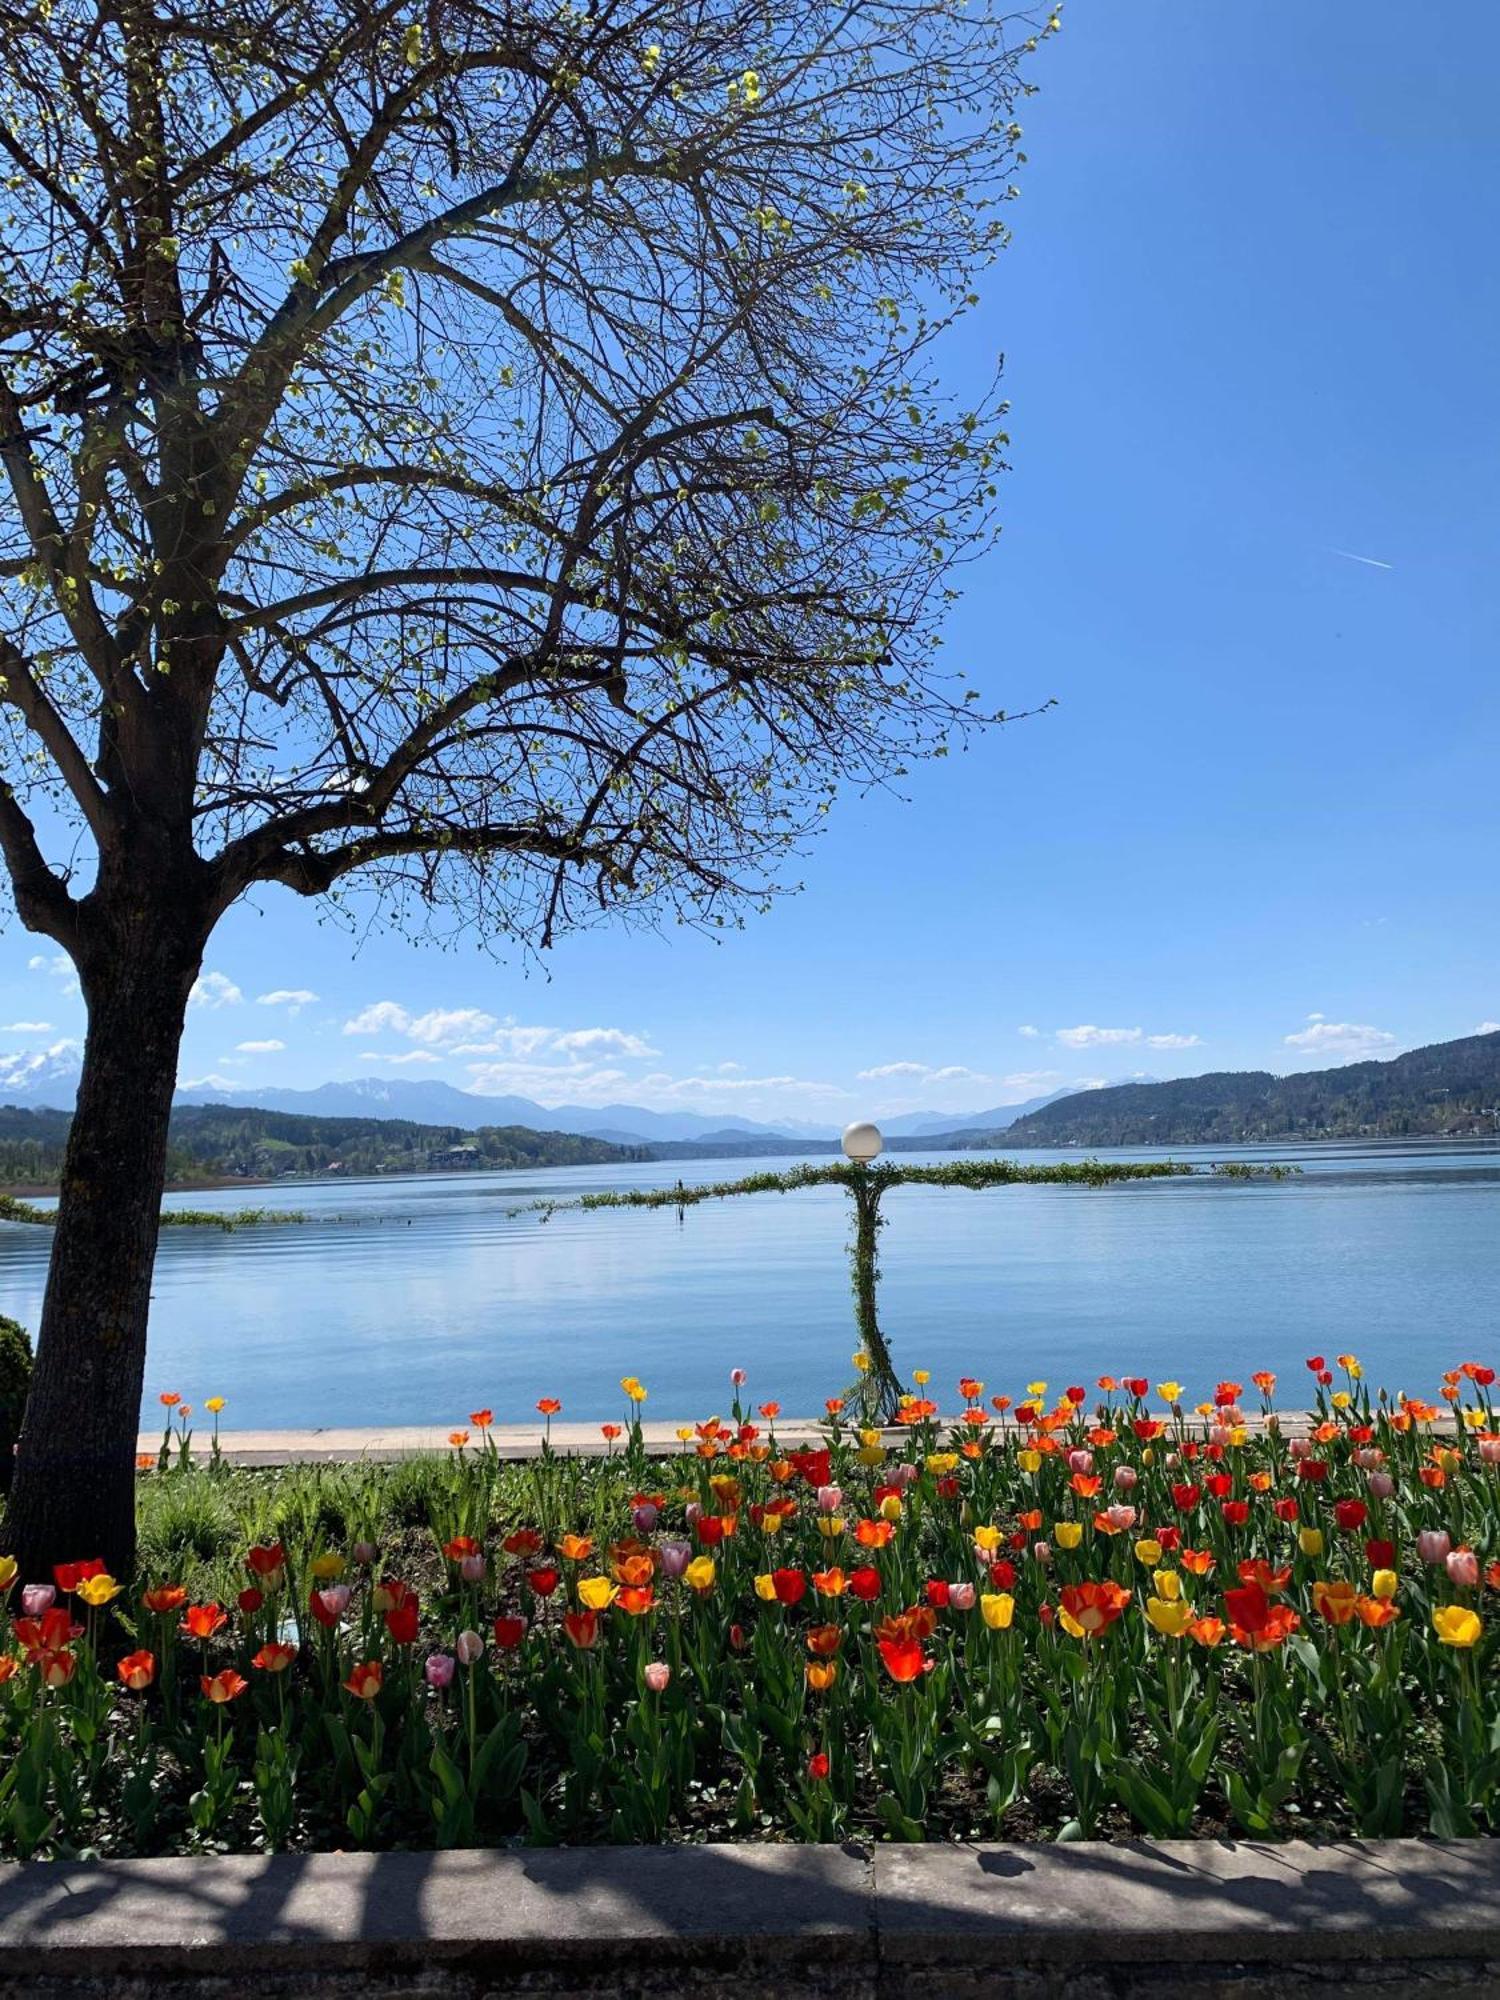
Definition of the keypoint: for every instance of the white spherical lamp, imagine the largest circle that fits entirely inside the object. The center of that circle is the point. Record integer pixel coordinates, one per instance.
(862, 1142)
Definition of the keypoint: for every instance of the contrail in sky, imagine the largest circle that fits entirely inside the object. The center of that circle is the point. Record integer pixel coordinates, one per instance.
(1371, 562)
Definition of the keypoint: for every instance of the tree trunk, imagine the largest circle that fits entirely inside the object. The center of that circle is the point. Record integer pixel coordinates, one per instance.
(74, 1490)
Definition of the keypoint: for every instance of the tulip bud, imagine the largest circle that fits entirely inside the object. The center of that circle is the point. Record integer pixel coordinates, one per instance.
(365, 1553)
(645, 1517)
(37, 1598)
(737, 1380)
(437, 1670)
(1121, 1519)
(471, 1569)
(692, 1511)
(1081, 1461)
(830, 1499)
(1042, 1552)
(1463, 1569)
(470, 1647)
(1381, 1485)
(1383, 1584)
(656, 1676)
(1433, 1545)
(961, 1596)
(675, 1557)
(1125, 1478)
(1369, 1458)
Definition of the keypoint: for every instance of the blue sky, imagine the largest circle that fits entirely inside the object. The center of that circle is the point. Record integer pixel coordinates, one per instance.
(1250, 546)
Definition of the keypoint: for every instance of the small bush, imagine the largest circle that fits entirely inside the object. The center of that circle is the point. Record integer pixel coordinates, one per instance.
(15, 1386)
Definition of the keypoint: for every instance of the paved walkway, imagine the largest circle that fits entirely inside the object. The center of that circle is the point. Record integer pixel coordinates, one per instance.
(512, 1441)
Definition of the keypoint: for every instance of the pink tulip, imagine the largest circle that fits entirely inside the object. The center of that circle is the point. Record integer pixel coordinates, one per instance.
(1489, 1450)
(692, 1511)
(1381, 1485)
(1369, 1458)
(1121, 1519)
(1299, 1448)
(645, 1517)
(675, 1557)
(737, 1378)
(961, 1596)
(469, 1648)
(830, 1499)
(1081, 1461)
(1125, 1478)
(1433, 1545)
(37, 1598)
(438, 1668)
(366, 1554)
(656, 1676)
(905, 1475)
(334, 1598)
(471, 1569)
(1042, 1553)
(1463, 1569)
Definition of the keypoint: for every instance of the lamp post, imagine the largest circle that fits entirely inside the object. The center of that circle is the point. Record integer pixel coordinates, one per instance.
(878, 1389)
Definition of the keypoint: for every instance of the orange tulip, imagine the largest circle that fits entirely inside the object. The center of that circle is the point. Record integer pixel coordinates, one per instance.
(223, 1686)
(201, 1621)
(164, 1597)
(275, 1656)
(365, 1681)
(137, 1670)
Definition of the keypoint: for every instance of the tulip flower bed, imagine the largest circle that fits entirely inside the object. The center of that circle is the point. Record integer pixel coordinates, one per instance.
(1101, 1612)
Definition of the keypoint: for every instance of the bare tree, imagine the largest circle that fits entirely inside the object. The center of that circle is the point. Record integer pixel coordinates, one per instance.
(487, 452)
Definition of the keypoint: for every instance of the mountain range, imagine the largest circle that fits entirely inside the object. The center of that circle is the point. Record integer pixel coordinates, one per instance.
(1446, 1090)
(50, 1078)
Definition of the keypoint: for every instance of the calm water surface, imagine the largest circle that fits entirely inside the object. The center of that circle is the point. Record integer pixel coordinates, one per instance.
(414, 1301)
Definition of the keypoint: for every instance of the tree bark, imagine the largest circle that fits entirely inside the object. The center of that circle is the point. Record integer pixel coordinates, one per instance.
(73, 1494)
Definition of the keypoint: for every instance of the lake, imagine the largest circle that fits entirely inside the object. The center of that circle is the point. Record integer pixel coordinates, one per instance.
(417, 1300)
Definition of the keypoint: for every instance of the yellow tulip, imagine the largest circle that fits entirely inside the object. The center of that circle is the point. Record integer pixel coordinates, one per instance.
(831, 1526)
(699, 1574)
(772, 1524)
(1035, 1389)
(1148, 1551)
(1067, 1534)
(327, 1568)
(921, 1376)
(890, 1507)
(595, 1593)
(1310, 1541)
(861, 1361)
(940, 1463)
(1383, 1585)
(7, 1572)
(214, 1405)
(1170, 1392)
(98, 1590)
(765, 1588)
(1341, 1399)
(987, 1537)
(997, 1608)
(1168, 1584)
(1029, 1460)
(871, 1455)
(1455, 1625)
(1171, 1617)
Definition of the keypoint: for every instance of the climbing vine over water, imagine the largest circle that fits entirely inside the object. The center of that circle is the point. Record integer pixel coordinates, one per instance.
(879, 1389)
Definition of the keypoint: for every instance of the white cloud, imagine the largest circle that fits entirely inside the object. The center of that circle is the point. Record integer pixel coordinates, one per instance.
(380, 1018)
(1029, 1032)
(45, 1028)
(405, 1056)
(603, 1041)
(57, 963)
(270, 1048)
(293, 998)
(949, 1073)
(1339, 1041)
(1088, 1037)
(731, 1069)
(214, 989)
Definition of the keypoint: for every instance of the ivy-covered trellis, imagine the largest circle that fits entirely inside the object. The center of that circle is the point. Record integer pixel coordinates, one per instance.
(879, 1389)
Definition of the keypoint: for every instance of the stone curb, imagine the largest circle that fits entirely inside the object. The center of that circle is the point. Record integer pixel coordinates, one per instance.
(1133, 1918)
